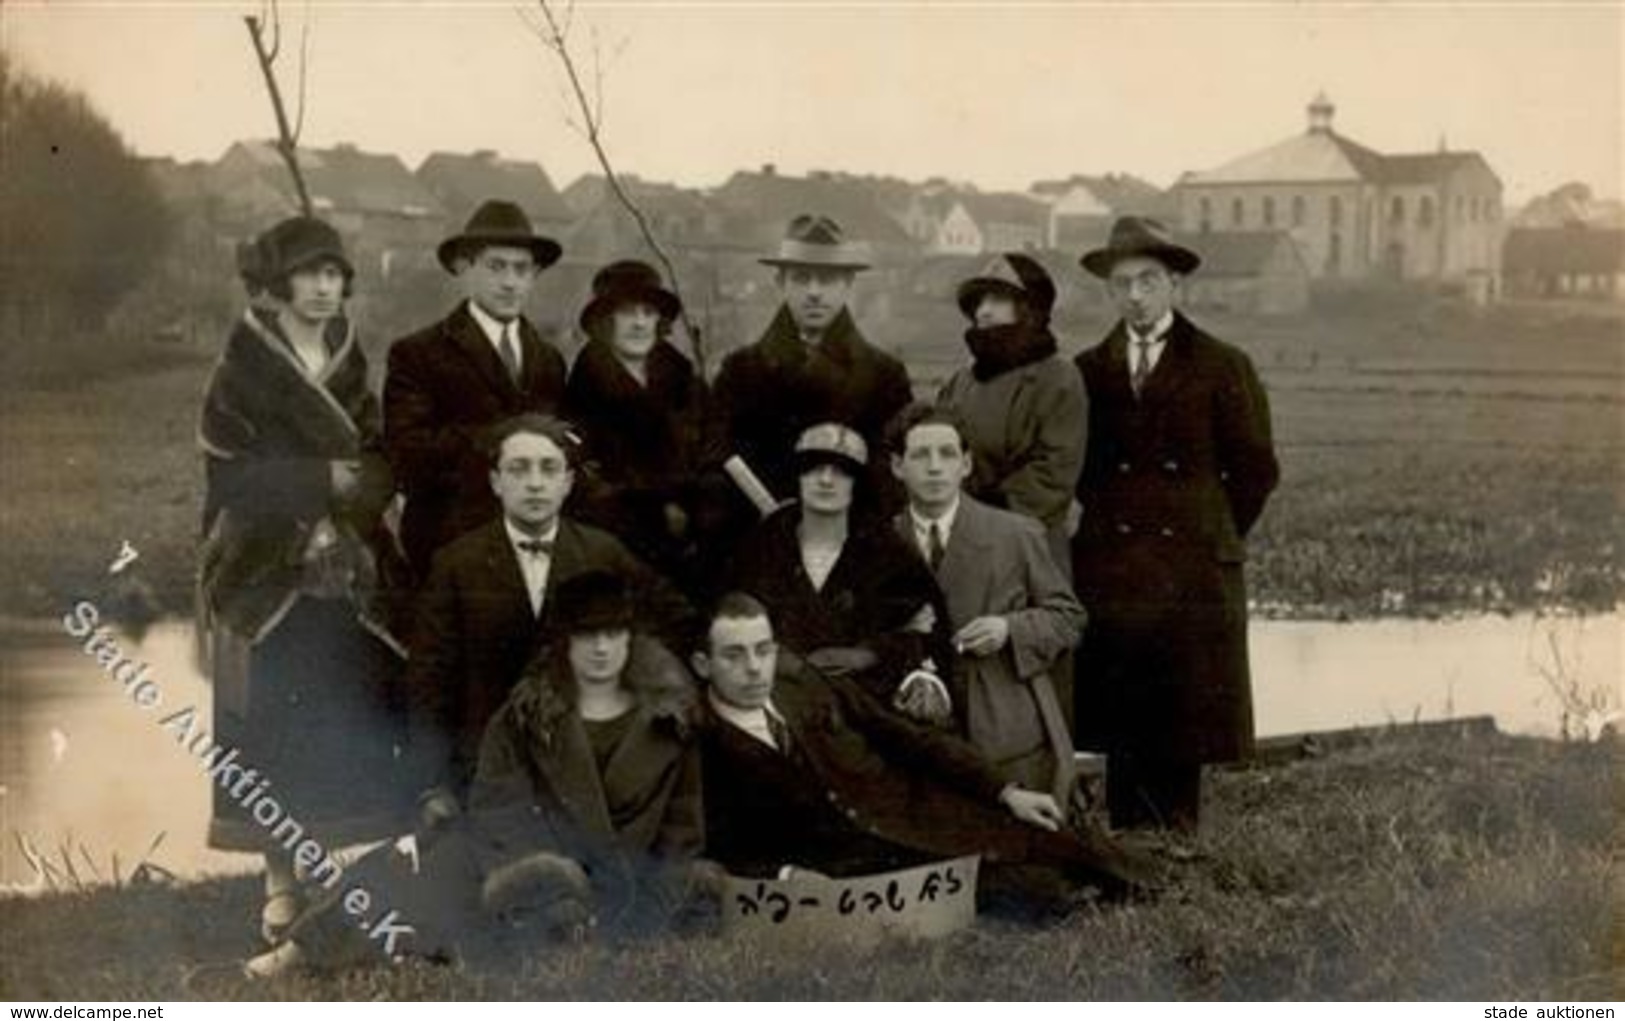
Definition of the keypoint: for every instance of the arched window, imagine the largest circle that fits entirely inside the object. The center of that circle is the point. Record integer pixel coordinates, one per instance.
(1298, 211)
(1269, 210)
(1334, 210)
(1396, 209)
(1205, 214)
(1236, 213)
(1424, 212)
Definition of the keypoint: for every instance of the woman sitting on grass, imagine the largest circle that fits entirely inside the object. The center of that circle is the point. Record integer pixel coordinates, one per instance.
(584, 811)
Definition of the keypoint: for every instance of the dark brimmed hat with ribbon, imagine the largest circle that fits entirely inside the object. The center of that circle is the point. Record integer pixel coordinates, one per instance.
(831, 443)
(627, 282)
(1140, 236)
(594, 601)
(498, 223)
(1012, 273)
(813, 240)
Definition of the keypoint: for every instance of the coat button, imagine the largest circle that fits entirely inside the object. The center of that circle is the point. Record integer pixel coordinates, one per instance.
(1171, 466)
(833, 797)
(1167, 533)
(1124, 529)
(1123, 467)
(852, 813)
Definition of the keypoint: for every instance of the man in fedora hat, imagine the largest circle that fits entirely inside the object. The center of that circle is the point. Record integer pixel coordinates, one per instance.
(1178, 467)
(811, 365)
(450, 382)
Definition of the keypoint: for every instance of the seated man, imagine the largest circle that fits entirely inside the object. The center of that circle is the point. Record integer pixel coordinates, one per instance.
(585, 809)
(492, 602)
(850, 596)
(809, 771)
(1012, 612)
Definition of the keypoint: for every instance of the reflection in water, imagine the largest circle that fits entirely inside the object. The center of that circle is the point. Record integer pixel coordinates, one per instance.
(82, 765)
(1313, 675)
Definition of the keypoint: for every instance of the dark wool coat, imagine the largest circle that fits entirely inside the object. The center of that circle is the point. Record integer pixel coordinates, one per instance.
(538, 786)
(770, 392)
(862, 789)
(642, 445)
(873, 592)
(475, 633)
(1171, 485)
(305, 679)
(444, 389)
(635, 826)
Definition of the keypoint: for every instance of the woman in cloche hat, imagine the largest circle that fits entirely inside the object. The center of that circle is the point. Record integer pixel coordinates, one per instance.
(1024, 408)
(293, 624)
(640, 406)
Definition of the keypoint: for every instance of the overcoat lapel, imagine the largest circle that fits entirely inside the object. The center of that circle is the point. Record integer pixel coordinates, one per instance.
(507, 581)
(1173, 371)
(468, 338)
(965, 560)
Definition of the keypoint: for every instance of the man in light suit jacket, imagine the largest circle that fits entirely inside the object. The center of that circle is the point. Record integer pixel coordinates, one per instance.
(489, 604)
(1012, 611)
(447, 384)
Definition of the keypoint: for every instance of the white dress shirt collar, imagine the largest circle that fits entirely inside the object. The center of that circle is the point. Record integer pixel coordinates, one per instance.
(534, 567)
(944, 523)
(491, 326)
(752, 721)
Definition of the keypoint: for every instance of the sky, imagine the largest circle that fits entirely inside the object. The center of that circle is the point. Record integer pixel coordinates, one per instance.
(998, 95)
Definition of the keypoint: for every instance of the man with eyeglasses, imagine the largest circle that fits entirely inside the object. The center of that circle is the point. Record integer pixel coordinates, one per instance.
(450, 382)
(489, 604)
(1178, 467)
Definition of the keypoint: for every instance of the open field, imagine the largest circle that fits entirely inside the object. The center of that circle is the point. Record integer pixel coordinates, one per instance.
(1475, 868)
(1435, 459)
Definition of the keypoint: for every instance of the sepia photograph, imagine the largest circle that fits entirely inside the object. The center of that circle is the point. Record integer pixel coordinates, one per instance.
(886, 500)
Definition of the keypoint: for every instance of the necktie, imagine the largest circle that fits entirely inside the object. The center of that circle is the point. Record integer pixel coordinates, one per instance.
(1142, 365)
(781, 733)
(510, 352)
(933, 545)
(536, 547)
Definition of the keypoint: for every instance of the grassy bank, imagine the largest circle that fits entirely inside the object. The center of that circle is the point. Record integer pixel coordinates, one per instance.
(1435, 460)
(1474, 869)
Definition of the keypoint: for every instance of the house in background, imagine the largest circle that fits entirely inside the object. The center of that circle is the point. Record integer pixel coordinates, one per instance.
(1576, 260)
(1356, 213)
(460, 182)
(974, 223)
(385, 214)
(1259, 272)
(1082, 207)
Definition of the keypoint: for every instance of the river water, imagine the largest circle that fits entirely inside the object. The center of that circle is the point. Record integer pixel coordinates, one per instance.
(84, 767)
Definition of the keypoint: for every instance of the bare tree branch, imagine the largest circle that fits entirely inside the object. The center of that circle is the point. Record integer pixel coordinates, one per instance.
(553, 31)
(276, 33)
(287, 143)
(304, 65)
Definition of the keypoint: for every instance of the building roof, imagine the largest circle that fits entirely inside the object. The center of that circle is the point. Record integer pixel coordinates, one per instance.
(345, 178)
(1007, 207)
(772, 199)
(1573, 249)
(1236, 253)
(461, 181)
(1316, 156)
(1322, 155)
(1118, 194)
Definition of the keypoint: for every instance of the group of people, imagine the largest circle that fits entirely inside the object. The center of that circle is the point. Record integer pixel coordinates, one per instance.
(599, 633)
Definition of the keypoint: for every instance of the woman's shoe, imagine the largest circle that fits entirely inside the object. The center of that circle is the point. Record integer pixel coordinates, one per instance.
(281, 910)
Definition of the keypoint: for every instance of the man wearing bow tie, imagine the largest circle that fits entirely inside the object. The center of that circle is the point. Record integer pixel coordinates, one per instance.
(488, 605)
(448, 383)
(1178, 466)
